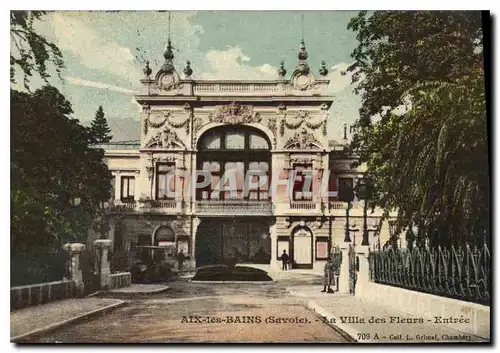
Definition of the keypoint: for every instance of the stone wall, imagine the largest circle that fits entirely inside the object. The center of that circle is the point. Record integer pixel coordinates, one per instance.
(41, 293)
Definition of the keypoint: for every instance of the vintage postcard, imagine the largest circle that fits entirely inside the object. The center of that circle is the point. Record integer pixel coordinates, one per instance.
(250, 176)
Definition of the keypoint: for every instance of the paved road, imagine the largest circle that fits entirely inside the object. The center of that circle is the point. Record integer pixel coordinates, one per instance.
(175, 316)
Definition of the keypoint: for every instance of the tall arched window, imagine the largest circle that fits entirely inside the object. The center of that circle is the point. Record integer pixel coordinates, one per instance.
(238, 149)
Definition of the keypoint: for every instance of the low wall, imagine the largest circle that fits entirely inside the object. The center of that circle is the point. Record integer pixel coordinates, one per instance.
(120, 280)
(41, 293)
(430, 307)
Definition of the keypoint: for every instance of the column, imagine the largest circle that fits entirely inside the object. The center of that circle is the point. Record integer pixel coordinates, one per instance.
(273, 233)
(118, 186)
(75, 271)
(364, 270)
(195, 223)
(344, 269)
(103, 246)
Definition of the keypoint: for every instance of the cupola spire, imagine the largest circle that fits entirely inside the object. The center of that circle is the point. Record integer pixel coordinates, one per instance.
(303, 67)
(168, 54)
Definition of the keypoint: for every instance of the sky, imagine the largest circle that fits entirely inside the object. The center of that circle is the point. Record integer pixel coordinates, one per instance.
(104, 54)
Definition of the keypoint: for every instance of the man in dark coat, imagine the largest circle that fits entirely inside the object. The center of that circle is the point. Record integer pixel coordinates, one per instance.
(180, 259)
(284, 260)
(328, 276)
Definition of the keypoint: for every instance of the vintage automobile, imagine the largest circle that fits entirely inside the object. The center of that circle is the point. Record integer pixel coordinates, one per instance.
(151, 264)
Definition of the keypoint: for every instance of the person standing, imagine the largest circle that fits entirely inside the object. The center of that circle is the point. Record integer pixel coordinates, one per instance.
(328, 276)
(284, 260)
(180, 259)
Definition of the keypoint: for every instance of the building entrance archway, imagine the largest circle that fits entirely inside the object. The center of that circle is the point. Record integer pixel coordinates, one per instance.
(231, 241)
(302, 245)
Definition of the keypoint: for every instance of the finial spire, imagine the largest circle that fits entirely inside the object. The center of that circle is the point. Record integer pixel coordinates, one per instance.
(303, 52)
(168, 54)
(323, 71)
(282, 70)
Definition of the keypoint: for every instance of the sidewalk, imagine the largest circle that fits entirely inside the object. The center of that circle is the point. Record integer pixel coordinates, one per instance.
(364, 322)
(34, 320)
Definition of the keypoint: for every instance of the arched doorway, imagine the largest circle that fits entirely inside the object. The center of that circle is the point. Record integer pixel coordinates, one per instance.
(234, 148)
(302, 245)
(240, 239)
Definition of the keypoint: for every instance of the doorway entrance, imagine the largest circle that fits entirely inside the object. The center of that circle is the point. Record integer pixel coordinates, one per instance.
(302, 256)
(232, 240)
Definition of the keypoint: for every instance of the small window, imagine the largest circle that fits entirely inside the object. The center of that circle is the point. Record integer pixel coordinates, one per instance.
(165, 183)
(127, 188)
(258, 142)
(211, 142)
(235, 141)
(303, 172)
(321, 248)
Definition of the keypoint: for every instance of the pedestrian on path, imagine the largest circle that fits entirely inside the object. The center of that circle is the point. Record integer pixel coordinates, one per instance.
(180, 259)
(328, 276)
(284, 260)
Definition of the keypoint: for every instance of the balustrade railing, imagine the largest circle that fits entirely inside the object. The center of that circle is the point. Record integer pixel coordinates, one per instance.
(234, 87)
(458, 272)
(119, 205)
(304, 205)
(172, 204)
(236, 207)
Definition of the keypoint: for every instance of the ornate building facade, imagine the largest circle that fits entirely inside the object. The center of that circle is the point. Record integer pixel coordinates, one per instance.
(277, 127)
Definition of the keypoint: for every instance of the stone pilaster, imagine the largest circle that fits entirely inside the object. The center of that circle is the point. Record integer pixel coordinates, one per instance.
(363, 277)
(344, 269)
(273, 233)
(75, 271)
(103, 246)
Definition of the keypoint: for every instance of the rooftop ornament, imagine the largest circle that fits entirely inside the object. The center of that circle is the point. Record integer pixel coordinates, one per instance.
(147, 70)
(188, 71)
(323, 71)
(282, 70)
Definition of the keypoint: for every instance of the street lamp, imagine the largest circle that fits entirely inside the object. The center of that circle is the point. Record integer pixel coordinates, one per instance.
(363, 192)
(346, 194)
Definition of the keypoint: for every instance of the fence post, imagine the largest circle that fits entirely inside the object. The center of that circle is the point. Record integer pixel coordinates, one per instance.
(363, 278)
(343, 284)
(74, 268)
(103, 246)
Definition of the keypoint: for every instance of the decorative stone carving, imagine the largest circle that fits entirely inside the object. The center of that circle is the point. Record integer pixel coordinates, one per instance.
(271, 124)
(165, 138)
(302, 117)
(312, 224)
(198, 124)
(302, 140)
(157, 120)
(177, 123)
(234, 114)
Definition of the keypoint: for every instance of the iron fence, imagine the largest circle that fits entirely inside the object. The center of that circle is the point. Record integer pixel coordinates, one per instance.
(456, 272)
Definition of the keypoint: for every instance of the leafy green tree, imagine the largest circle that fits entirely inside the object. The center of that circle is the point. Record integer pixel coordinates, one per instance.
(30, 51)
(99, 128)
(58, 181)
(422, 129)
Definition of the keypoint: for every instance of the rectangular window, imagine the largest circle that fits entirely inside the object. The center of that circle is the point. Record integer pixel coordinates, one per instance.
(345, 189)
(303, 172)
(321, 248)
(165, 184)
(127, 188)
(235, 174)
(261, 192)
(215, 171)
(235, 140)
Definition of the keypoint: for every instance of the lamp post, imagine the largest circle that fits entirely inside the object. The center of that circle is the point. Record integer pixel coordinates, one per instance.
(346, 194)
(363, 192)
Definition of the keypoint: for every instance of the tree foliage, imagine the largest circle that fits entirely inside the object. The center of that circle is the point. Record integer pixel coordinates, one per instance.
(30, 51)
(422, 129)
(99, 127)
(52, 164)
